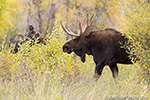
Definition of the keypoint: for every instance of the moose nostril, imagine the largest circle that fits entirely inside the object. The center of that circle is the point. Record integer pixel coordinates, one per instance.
(65, 48)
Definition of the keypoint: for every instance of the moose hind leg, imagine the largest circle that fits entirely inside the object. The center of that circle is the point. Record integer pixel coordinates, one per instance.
(114, 69)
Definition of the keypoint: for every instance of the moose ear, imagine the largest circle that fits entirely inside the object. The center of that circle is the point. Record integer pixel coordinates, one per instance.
(31, 28)
(89, 35)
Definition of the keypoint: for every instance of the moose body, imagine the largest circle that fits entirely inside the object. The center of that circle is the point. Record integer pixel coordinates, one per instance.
(17, 41)
(32, 36)
(106, 46)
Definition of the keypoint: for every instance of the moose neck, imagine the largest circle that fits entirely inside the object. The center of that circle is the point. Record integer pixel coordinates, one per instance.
(88, 43)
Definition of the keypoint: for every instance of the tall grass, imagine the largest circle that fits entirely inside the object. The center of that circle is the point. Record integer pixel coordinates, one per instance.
(46, 73)
(81, 87)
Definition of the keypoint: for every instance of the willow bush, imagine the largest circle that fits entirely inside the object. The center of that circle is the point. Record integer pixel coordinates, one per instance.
(40, 59)
(138, 22)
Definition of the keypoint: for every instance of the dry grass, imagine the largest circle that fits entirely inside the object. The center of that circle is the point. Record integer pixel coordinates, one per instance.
(81, 87)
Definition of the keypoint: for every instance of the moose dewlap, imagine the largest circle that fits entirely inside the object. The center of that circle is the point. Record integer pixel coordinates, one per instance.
(103, 45)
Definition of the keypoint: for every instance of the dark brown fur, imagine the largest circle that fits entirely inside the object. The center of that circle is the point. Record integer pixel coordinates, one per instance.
(104, 45)
(18, 40)
(31, 35)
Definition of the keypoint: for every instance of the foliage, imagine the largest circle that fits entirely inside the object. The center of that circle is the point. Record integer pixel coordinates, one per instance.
(8, 13)
(45, 72)
(138, 22)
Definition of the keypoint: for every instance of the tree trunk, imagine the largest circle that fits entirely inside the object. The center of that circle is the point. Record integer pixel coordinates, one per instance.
(67, 4)
(39, 19)
(38, 3)
(52, 16)
(28, 16)
(48, 21)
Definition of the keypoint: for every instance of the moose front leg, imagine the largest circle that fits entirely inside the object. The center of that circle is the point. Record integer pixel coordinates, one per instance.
(98, 71)
(114, 69)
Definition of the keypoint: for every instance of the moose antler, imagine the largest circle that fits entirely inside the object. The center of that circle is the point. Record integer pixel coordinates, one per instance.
(85, 30)
(88, 26)
(67, 30)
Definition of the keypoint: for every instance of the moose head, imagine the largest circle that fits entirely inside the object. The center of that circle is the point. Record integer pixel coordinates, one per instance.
(33, 35)
(77, 43)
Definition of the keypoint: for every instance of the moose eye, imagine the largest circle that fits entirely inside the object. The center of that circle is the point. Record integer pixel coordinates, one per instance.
(76, 40)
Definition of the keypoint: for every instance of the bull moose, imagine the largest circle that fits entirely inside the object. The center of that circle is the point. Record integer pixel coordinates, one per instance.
(104, 45)
(31, 35)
